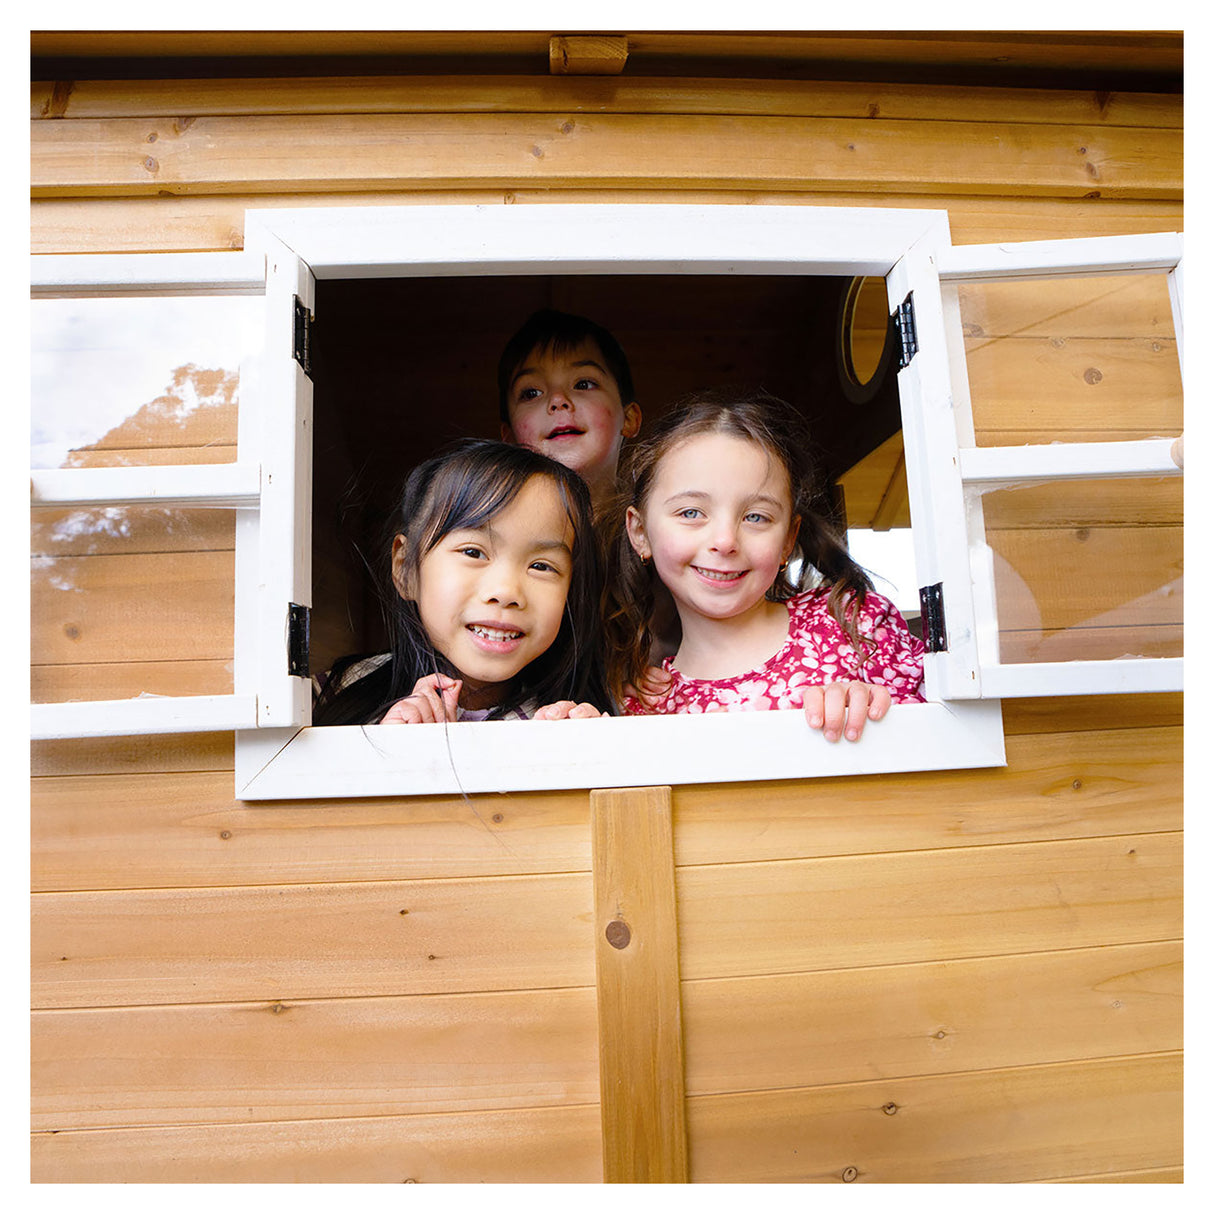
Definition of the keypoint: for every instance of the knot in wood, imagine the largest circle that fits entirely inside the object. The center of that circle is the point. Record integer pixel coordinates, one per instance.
(618, 934)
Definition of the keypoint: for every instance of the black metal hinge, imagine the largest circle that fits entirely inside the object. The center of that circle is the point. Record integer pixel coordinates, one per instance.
(931, 609)
(904, 324)
(299, 619)
(303, 337)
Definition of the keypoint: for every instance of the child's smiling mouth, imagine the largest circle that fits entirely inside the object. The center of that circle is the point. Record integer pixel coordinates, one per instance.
(494, 637)
(720, 576)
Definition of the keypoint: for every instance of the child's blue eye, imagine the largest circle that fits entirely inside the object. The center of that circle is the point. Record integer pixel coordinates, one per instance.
(691, 512)
(755, 517)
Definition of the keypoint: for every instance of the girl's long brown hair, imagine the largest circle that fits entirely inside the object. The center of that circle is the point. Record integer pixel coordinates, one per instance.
(636, 606)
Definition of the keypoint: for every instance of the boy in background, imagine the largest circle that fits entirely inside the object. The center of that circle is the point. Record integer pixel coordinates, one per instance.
(565, 390)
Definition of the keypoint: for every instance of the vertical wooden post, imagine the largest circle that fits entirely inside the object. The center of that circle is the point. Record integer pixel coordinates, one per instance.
(637, 963)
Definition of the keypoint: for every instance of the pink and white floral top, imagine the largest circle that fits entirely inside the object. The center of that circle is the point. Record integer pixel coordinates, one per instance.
(817, 651)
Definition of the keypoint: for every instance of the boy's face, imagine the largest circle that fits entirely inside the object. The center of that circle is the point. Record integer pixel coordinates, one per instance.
(567, 406)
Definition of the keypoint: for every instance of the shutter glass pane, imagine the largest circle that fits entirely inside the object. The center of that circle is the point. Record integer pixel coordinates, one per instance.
(1071, 359)
(131, 600)
(1088, 569)
(138, 380)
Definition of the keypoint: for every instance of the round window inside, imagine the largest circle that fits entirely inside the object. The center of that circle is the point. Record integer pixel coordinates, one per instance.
(864, 329)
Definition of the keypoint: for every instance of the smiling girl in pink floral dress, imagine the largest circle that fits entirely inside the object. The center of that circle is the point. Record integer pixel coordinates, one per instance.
(716, 518)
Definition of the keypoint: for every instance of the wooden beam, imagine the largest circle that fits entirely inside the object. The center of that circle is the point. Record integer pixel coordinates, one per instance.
(637, 962)
(116, 157)
(589, 55)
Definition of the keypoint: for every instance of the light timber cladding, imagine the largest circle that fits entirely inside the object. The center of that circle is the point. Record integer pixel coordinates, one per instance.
(949, 976)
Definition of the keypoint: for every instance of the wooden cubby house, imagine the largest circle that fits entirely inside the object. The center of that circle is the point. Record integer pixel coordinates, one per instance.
(271, 271)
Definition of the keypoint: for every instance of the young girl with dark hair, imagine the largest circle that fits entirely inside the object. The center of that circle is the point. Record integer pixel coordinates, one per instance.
(491, 587)
(716, 516)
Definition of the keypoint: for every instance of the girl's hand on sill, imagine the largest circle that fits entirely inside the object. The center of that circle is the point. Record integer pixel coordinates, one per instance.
(435, 698)
(564, 710)
(842, 709)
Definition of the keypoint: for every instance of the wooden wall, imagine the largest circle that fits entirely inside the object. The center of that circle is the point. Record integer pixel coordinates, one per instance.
(958, 976)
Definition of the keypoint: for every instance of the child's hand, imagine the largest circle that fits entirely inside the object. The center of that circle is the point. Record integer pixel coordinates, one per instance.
(826, 708)
(655, 683)
(564, 710)
(435, 698)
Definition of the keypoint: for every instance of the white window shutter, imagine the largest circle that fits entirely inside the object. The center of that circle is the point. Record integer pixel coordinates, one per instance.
(948, 473)
(263, 486)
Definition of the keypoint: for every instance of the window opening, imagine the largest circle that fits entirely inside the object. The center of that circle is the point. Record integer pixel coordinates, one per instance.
(402, 366)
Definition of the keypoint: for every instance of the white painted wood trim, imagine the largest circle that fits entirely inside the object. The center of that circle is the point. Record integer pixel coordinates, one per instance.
(595, 238)
(1176, 294)
(937, 505)
(992, 467)
(1123, 675)
(1088, 256)
(278, 425)
(73, 275)
(146, 714)
(618, 752)
(219, 485)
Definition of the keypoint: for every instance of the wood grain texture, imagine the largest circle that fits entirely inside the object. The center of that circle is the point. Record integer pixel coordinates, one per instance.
(627, 95)
(217, 222)
(126, 680)
(143, 828)
(318, 153)
(637, 968)
(183, 828)
(510, 1146)
(1065, 786)
(1020, 1124)
(280, 943)
(803, 915)
(806, 1030)
(204, 1063)
(155, 607)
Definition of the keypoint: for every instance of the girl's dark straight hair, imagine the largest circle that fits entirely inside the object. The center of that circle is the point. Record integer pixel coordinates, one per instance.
(634, 596)
(465, 487)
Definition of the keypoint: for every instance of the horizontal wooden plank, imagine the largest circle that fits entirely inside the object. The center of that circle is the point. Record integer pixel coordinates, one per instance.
(1096, 503)
(128, 457)
(1034, 1123)
(1048, 713)
(215, 222)
(800, 915)
(280, 943)
(804, 1030)
(112, 530)
(185, 829)
(126, 680)
(1121, 306)
(1112, 386)
(1114, 577)
(625, 95)
(142, 756)
(129, 156)
(1056, 786)
(182, 828)
(295, 1061)
(152, 607)
(541, 1145)
(1104, 643)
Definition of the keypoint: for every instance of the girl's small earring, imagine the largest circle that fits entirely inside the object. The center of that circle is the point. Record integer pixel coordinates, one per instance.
(783, 566)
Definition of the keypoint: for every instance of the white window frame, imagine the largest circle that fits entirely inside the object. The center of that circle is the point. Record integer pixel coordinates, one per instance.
(278, 755)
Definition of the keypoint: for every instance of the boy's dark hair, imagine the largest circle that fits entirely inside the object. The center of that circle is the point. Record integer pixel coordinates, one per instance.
(560, 332)
(634, 596)
(465, 487)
